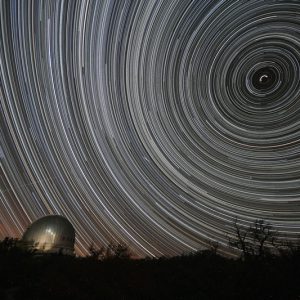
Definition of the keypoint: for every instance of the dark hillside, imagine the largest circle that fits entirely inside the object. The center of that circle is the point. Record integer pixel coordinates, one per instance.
(202, 275)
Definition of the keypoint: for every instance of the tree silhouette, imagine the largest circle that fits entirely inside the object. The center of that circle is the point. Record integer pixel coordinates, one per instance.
(258, 240)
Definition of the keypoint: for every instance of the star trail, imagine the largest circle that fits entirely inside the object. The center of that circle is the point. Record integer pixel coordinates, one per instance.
(151, 123)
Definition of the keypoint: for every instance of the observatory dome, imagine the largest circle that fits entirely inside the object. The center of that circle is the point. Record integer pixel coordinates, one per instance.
(50, 234)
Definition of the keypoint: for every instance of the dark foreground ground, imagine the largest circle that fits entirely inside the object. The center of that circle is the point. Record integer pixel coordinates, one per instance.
(199, 276)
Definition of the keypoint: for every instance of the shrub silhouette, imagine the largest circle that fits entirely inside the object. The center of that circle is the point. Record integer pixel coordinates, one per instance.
(112, 251)
(96, 254)
(8, 245)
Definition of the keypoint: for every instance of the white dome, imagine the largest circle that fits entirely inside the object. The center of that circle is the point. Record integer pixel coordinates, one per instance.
(50, 234)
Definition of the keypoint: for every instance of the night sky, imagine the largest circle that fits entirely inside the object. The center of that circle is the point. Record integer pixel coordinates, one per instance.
(153, 123)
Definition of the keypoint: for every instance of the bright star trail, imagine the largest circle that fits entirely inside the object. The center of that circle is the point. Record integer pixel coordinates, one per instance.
(153, 123)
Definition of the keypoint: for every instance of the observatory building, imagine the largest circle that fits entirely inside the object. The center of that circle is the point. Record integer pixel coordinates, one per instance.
(50, 234)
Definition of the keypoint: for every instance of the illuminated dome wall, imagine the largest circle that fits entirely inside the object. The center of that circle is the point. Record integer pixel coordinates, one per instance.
(50, 234)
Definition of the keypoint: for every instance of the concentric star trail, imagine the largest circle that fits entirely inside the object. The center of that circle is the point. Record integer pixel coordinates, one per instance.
(153, 123)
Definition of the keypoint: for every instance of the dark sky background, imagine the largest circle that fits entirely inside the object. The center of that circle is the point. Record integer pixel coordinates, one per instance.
(152, 123)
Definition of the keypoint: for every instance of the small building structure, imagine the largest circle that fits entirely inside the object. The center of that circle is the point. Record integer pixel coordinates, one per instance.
(50, 234)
